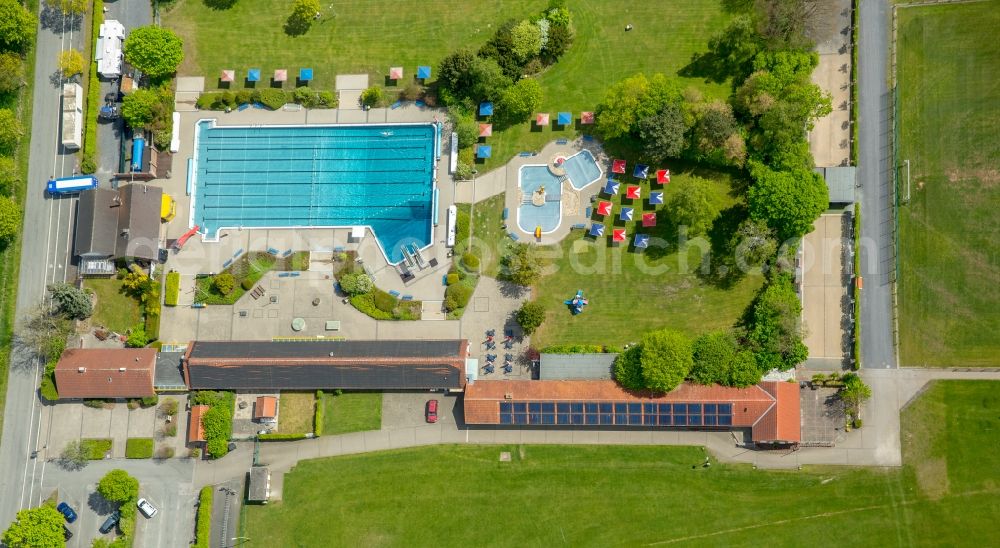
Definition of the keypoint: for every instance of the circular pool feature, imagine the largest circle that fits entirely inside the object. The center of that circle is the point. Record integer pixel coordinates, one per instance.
(557, 165)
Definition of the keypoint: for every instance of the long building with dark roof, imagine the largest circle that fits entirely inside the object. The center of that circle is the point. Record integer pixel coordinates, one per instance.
(325, 364)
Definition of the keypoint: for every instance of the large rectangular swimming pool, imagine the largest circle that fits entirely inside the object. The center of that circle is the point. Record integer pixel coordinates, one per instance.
(381, 176)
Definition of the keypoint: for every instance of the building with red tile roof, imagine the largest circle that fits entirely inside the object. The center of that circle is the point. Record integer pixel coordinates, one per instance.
(196, 431)
(106, 373)
(770, 410)
(266, 407)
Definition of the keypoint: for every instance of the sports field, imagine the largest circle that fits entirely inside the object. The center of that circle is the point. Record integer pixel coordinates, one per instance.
(949, 232)
(371, 36)
(948, 494)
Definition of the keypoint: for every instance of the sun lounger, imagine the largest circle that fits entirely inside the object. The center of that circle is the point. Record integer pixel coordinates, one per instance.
(562, 141)
(420, 104)
(407, 297)
(396, 105)
(588, 137)
(505, 213)
(243, 107)
(238, 252)
(524, 154)
(286, 253)
(578, 226)
(513, 236)
(283, 274)
(272, 251)
(394, 293)
(338, 249)
(444, 280)
(226, 264)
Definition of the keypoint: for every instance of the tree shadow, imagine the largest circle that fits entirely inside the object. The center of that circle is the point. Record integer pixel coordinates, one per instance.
(706, 65)
(296, 25)
(54, 19)
(99, 504)
(511, 290)
(723, 271)
(57, 80)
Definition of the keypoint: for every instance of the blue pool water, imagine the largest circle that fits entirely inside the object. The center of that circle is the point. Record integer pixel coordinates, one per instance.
(582, 169)
(317, 176)
(546, 216)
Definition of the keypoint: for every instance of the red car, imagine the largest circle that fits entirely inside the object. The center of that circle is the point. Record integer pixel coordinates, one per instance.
(432, 411)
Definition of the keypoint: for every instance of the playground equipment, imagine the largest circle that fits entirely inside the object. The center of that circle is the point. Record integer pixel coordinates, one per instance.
(577, 303)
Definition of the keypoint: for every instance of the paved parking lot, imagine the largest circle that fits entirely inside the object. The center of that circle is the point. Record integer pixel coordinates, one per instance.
(66, 422)
(166, 484)
(407, 409)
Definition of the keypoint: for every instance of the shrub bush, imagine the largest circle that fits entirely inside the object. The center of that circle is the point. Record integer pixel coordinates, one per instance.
(318, 415)
(411, 92)
(384, 301)
(372, 97)
(281, 437)
(170, 430)
(247, 285)
(205, 101)
(530, 316)
(203, 527)
(470, 261)
(453, 278)
(88, 165)
(133, 404)
(357, 283)
(48, 388)
(165, 452)
(305, 97)
(460, 294)
(137, 338)
(169, 407)
(273, 98)
(150, 401)
(173, 288)
(858, 423)
(365, 303)
(224, 283)
(138, 448)
(244, 96)
(94, 404)
(327, 100)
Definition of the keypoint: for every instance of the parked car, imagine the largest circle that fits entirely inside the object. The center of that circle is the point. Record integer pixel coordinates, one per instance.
(67, 534)
(146, 508)
(67, 512)
(110, 523)
(432, 411)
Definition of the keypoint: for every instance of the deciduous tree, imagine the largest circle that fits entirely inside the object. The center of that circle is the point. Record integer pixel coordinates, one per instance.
(11, 131)
(17, 26)
(666, 359)
(75, 7)
(154, 50)
(521, 266)
(788, 201)
(10, 219)
(855, 392)
(10, 175)
(743, 370)
(139, 107)
(628, 368)
(11, 72)
(41, 526)
(118, 486)
(693, 206)
(713, 354)
(775, 328)
(530, 316)
(526, 39)
(518, 102)
(753, 243)
(663, 134)
(71, 63)
(304, 12)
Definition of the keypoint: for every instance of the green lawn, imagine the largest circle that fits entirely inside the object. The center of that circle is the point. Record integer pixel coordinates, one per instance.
(250, 266)
(295, 412)
(628, 496)
(949, 236)
(373, 35)
(113, 309)
(351, 412)
(139, 448)
(631, 293)
(489, 238)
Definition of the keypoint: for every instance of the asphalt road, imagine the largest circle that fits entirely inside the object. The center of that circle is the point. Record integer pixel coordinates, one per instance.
(875, 176)
(46, 253)
(44, 259)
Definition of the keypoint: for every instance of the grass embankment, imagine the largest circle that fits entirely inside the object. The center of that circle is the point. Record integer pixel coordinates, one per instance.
(366, 37)
(113, 309)
(351, 412)
(946, 495)
(489, 240)
(949, 237)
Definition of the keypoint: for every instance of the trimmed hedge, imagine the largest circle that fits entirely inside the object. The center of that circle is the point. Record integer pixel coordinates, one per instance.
(203, 527)
(281, 437)
(138, 448)
(173, 289)
(366, 304)
(318, 415)
(88, 163)
(580, 349)
(856, 364)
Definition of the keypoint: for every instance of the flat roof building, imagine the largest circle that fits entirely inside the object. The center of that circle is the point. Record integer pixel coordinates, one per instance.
(770, 410)
(106, 373)
(326, 364)
(575, 366)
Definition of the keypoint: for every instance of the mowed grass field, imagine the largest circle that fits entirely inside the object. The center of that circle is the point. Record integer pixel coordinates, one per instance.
(370, 36)
(631, 293)
(949, 233)
(627, 496)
